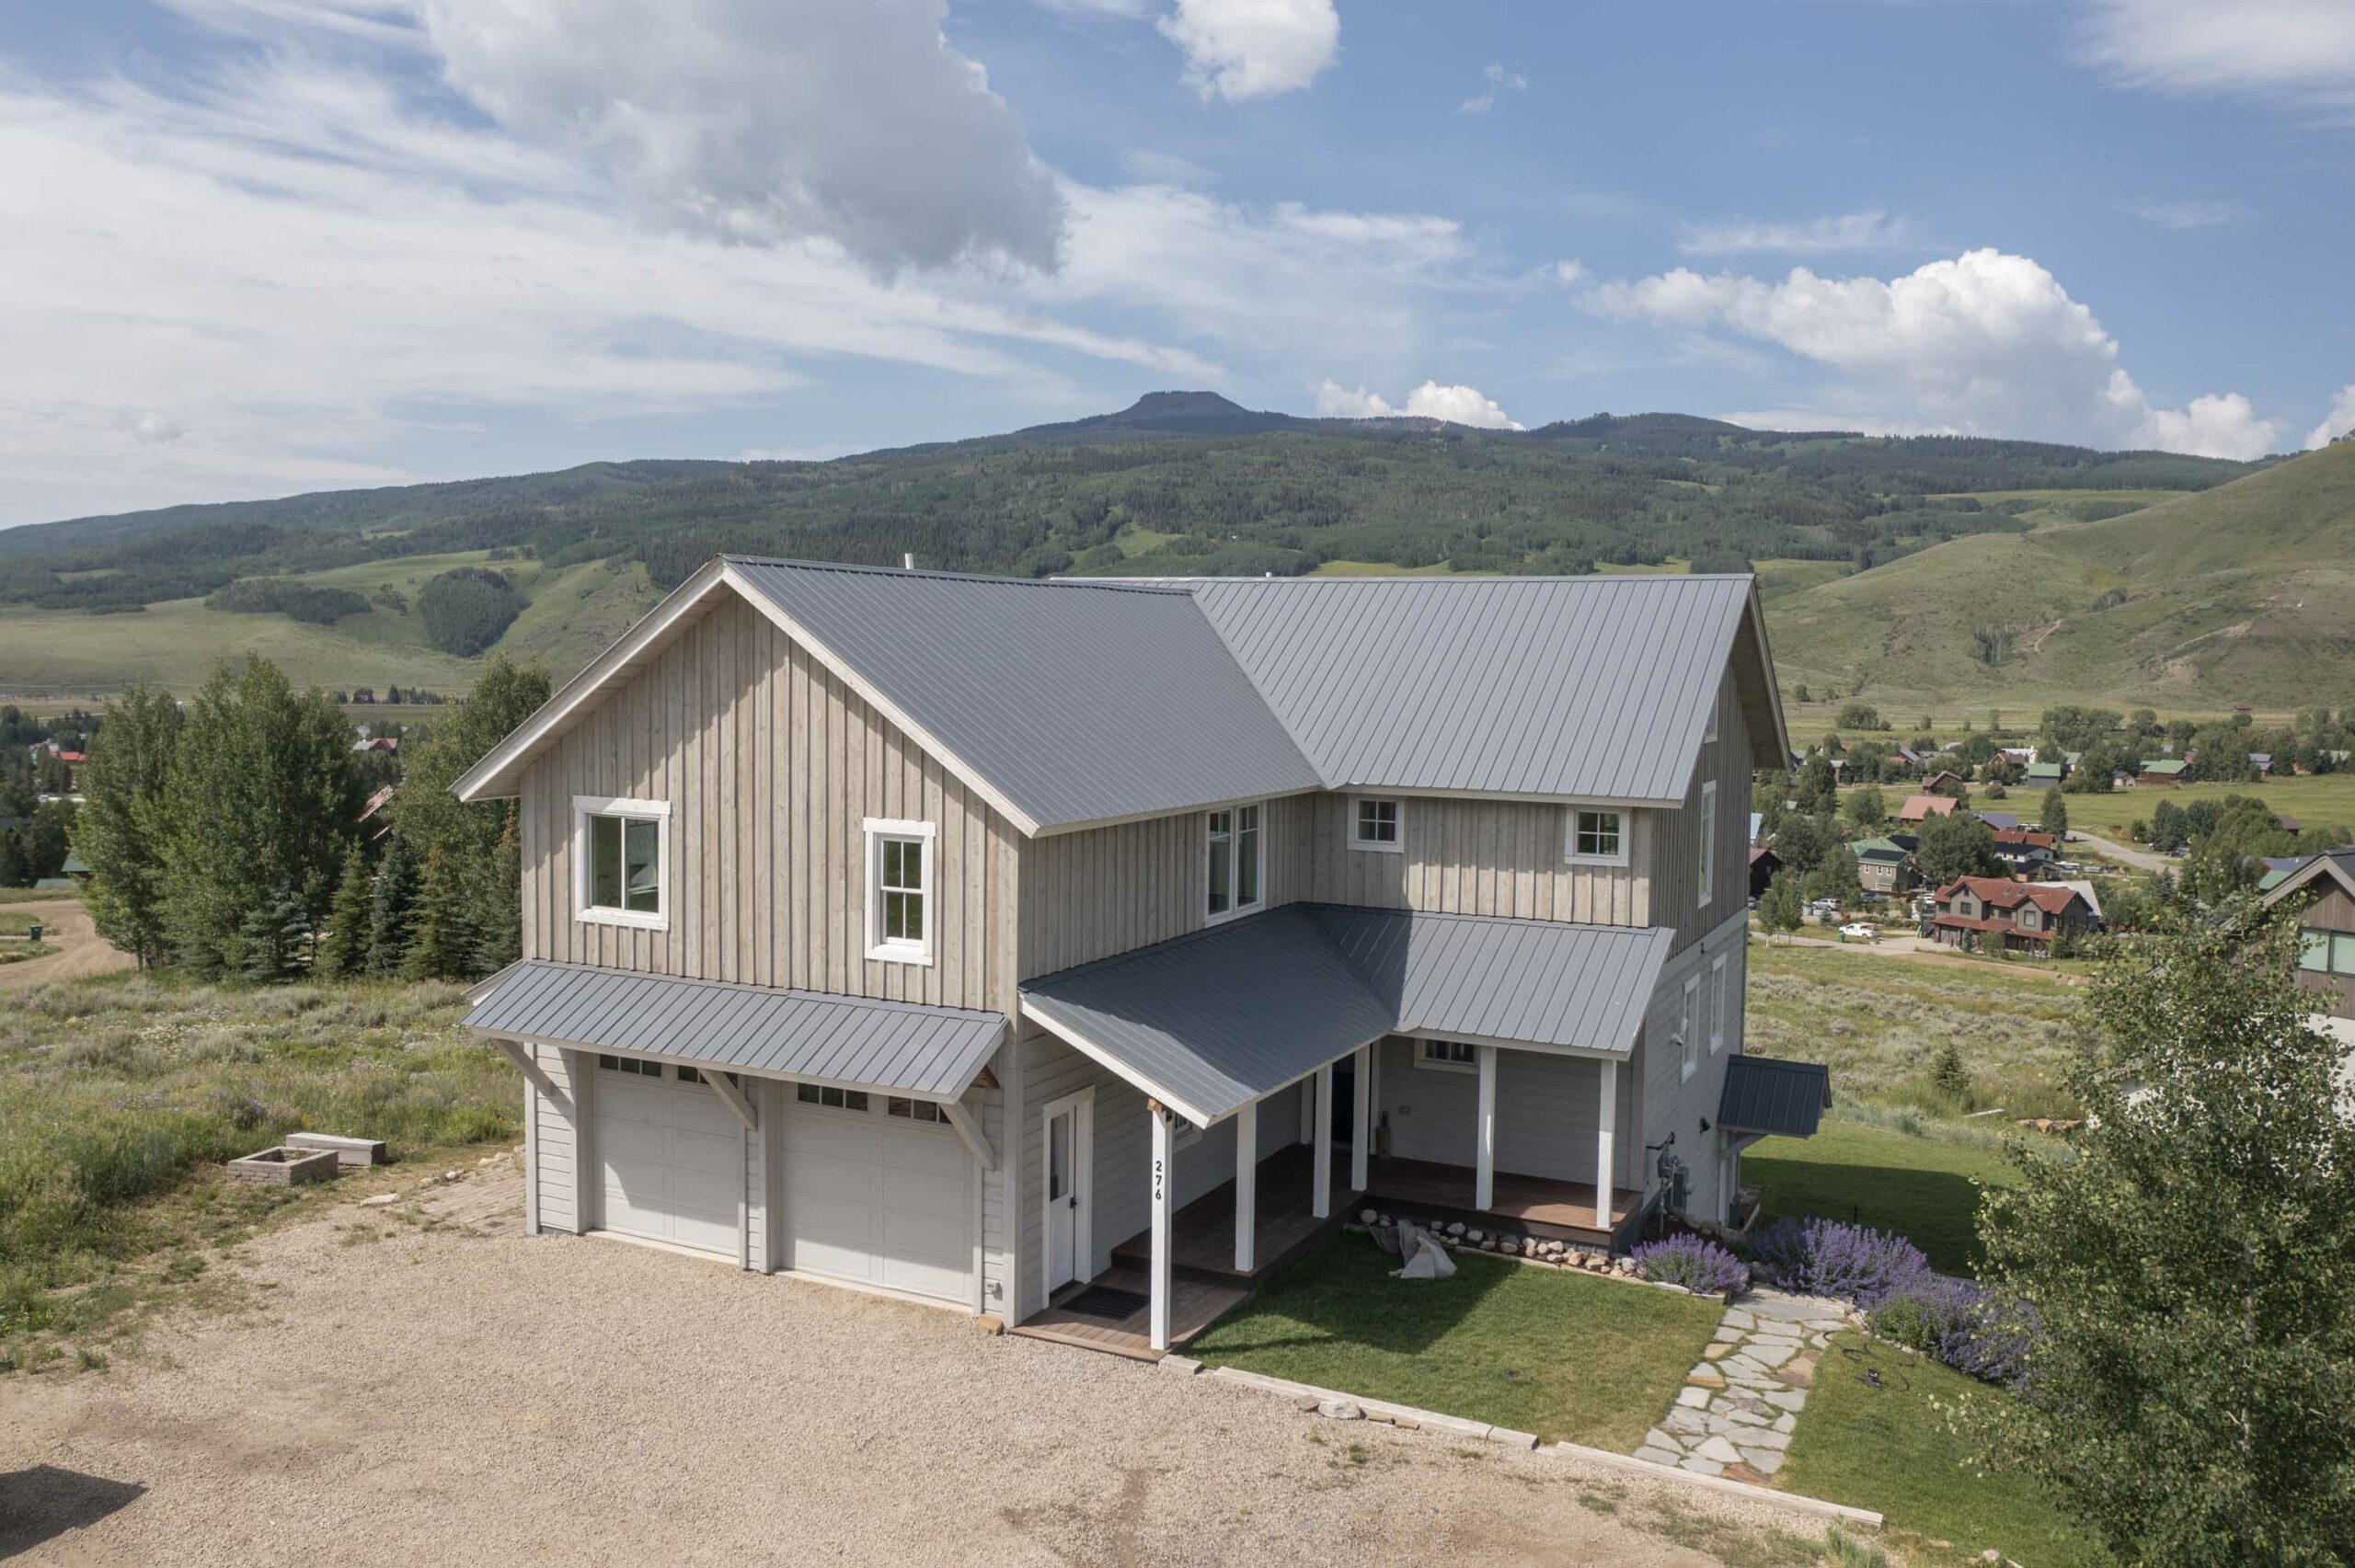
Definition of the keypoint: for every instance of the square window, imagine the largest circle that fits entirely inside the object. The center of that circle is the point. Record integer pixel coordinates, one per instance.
(1598, 836)
(689, 1075)
(1375, 825)
(620, 848)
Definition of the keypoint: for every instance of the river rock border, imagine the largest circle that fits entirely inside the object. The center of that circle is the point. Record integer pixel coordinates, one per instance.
(1457, 1236)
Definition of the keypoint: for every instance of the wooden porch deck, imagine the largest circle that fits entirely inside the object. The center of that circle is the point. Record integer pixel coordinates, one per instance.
(1541, 1205)
(1196, 1303)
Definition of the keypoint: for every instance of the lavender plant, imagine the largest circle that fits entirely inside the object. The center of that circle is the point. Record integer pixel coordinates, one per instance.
(1825, 1258)
(1699, 1266)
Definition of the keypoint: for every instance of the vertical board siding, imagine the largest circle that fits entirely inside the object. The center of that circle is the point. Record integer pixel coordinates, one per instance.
(1676, 840)
(1478, 857)
(771, 767)
(1546, 1109)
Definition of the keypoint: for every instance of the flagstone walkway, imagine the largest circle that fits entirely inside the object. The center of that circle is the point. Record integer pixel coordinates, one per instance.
(1736, 1413)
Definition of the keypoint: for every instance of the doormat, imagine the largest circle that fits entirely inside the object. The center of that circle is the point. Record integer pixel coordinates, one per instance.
(1104, 1302)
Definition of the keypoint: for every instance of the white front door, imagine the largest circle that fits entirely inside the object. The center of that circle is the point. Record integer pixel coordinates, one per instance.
(1068, 1137)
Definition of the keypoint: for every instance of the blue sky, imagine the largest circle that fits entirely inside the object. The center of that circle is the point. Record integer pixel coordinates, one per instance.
(268, 245)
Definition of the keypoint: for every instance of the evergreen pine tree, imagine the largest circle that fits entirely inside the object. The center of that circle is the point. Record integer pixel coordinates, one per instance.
(390, 909)
(440, 942)
(271, 938)
(344, 948)
(499, 926)
(117, 832)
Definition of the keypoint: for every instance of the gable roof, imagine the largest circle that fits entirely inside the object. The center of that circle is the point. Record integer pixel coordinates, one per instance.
(1073, 702)
(2336, 866)
(1919, 807)
(2052, 898)
(1208, 1021)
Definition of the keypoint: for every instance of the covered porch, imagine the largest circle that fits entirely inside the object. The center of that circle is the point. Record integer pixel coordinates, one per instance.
(1211, 1027)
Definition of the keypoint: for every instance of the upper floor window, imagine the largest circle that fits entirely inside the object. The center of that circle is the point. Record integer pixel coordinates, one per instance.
(1708, 839)
(1237, 859)
(2325, 952)
(1377, 825)
(1598, 837)
(621, 852)
(899, 890)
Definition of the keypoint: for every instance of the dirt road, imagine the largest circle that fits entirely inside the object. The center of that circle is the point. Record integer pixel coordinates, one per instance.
(66, 927)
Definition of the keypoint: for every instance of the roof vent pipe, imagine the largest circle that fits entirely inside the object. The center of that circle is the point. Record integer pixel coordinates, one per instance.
(908, 561)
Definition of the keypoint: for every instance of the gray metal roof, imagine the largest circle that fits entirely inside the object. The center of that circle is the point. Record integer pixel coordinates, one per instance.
(1596, 687)
(1078, 702)
(1764, 1095)
(1214, 1020)
(930, 1052)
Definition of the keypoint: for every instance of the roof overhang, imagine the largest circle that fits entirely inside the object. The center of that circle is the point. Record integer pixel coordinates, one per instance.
(899, 1048)
(1213, 1021)
(2322, 867)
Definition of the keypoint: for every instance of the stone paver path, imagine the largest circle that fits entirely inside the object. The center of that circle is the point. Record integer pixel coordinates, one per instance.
(1735, 1415)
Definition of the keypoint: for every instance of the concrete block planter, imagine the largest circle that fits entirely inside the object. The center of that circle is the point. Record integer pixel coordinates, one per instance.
(348, 1150)
(284, 1166)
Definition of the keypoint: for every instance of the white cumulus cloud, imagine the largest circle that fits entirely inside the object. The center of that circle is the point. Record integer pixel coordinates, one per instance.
(1849, 231)
(1455, 405)
(1500, 81)
(2340, 421)
(1986, 343)
(1252, 49)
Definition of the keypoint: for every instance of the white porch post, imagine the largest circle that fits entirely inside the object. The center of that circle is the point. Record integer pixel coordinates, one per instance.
(1362, 1080)
(1606, 1126)
(1484, 1182)
(1158, 1288)
(1321, 1201)
(1246, 1188)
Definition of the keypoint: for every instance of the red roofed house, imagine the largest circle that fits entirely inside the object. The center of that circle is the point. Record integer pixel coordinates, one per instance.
(2017, 917)
(1920, 808)
(2024, 853)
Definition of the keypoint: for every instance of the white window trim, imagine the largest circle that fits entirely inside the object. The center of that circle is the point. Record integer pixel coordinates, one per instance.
(1708, 841)
(1375, 846)
(657, 811)
(1234, 910)
(1718, 1004)
(1425, 1062)
(1570, 836)
(873, 1108)
(901, 951)
(1690, 1045)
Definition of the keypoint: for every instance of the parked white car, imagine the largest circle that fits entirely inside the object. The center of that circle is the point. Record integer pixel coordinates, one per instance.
(1857, 931)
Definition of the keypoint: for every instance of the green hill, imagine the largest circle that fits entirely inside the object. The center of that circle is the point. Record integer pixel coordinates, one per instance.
(2244, 593)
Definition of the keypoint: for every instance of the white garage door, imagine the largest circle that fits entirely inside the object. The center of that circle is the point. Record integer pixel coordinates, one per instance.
(669, 1156)
(878, 1191)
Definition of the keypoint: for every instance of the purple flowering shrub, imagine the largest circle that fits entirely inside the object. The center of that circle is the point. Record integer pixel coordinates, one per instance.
(1701, 1266)
(1825, 1257)
(1963, 1324)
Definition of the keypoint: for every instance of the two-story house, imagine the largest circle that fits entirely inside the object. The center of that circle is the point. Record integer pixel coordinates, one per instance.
(1994, 913)
(2321, 889)
(1074, 953)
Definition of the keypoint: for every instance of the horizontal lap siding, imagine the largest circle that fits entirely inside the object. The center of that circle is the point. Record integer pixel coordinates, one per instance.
(1671, 1102)
(1477, 857)
(1546, 1109)
(557, 1148)
(1100, 891)
(771, 766)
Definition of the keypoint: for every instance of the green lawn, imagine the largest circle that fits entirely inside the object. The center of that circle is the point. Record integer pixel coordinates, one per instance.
(1566, 1356)
(1918, 1186)
(1890, 1449)
(2323, 800)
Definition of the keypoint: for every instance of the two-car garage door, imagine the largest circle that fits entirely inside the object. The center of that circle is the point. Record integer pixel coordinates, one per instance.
(871, 1190)
(876, 1192)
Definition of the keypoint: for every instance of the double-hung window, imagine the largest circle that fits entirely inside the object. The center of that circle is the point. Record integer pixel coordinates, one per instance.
(1709, 872)
(1236, 862)
(1376, 825)
(1598, 836)
(899, 890)
(621, 861)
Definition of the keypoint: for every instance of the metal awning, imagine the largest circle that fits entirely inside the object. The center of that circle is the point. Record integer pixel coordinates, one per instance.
(857, 1042)
(1764, 1096)
(1210, 1022)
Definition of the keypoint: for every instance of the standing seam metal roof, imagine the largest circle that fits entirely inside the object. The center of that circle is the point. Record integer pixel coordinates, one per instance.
(904, 1047)
(1764, 1096)
(1218, 1018)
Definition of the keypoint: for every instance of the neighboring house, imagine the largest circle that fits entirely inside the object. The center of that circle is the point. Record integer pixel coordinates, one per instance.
(2322, 891)
(2015, 916)
(76, 869)
(377, 743)
(1943, 782)
(373, 811)
(2044, 775)
(2025, 854)
(1763, 863)
(2164, 771)
(1884, 865)
(1920, 808)
(1998, 820)
(2262, 761)
(975, 940)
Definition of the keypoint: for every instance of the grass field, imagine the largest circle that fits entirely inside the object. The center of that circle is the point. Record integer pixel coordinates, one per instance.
(118, 1095)
(1876, 1020)
(1566, 1356)
(1915, 1184)
(2326, 799)
(1888, 1448)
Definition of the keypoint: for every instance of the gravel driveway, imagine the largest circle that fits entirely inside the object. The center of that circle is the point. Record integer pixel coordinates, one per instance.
(399, 1394)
